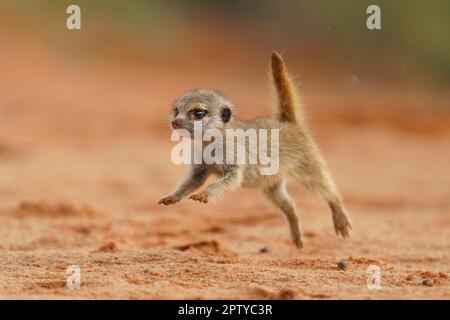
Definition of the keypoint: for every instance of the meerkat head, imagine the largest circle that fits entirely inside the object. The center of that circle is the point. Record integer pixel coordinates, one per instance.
(209, 107)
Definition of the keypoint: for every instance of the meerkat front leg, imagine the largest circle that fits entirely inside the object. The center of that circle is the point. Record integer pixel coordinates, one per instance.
(194, 180)
(231, 180)
(279, 196)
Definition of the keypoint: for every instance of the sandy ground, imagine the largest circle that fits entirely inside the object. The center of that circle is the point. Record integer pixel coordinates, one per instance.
(85, 156)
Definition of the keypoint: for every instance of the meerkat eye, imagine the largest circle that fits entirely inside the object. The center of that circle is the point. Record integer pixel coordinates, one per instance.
(198, 114)
(225, 114)
(175, 112)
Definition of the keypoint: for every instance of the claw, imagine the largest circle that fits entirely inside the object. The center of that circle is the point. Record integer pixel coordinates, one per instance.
(201, 197)
(168, 200)
(342, 226)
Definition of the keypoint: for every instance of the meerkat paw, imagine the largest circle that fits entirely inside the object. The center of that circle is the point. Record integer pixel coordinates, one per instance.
(201, 196)
(342, 225)
(169, 200)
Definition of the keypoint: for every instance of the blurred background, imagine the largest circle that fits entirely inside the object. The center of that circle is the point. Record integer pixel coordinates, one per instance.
(226, 44)
(413, 37)
(110, 85)
(85, 143)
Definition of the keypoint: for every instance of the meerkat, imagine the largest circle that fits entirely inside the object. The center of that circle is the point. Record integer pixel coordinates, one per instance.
(299, 157)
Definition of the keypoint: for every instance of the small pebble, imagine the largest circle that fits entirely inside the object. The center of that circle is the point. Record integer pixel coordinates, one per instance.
(342, 265)
(263, 250)
(427, 282)
(146, 270)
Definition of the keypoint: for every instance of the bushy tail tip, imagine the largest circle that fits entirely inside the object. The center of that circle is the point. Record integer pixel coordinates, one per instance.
(288, 108)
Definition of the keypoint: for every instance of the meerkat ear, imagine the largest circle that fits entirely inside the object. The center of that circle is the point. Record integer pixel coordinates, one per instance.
(225, 114)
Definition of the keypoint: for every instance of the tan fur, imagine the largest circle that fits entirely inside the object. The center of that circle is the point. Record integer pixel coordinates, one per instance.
(299, 157)
(287, 95)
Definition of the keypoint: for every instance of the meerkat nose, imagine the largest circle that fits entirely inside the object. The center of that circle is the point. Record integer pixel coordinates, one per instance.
(177, 123)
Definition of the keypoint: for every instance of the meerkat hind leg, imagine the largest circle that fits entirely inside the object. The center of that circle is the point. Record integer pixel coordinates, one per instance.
(279, 197)
(322, 184)
(341, 221)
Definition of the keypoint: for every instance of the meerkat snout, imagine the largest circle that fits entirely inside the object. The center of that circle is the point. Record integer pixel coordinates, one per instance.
(177, 123)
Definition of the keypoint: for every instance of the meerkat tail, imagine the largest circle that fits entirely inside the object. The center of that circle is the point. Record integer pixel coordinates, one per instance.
(289, 108)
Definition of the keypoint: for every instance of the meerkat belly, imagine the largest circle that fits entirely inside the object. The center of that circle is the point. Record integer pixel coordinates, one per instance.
(252, 178)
